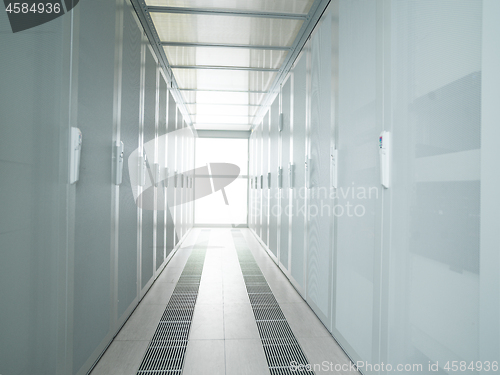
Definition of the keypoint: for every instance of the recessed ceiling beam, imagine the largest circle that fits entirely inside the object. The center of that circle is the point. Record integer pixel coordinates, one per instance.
(223, 68)
(222, 45)
(238, 91)
(242, 134)
(226, 12)
(218, 124)
(219, 115)
(223, 104)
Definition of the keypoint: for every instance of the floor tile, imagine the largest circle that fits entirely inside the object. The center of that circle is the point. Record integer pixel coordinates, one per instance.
(245, 357)
(142, 324)
(285, 293)
(208, 322)
(170, 275)
(121, 358)
(159, 294)
(210, 293)
(239, 322)
(235, 294)
(303, 321)
(327, 355)
(204, 357)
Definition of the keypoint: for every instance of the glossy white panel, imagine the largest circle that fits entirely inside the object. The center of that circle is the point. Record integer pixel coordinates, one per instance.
(232, 80)
(193, 28)
(218, 109)
(358, 172)
(214, 119)
(435, 242)
(320, 205)
(214, 56)
(489, 299)
(298, 140)
(238, 127)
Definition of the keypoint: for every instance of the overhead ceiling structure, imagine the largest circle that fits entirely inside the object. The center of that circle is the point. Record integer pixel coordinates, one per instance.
(227, 58)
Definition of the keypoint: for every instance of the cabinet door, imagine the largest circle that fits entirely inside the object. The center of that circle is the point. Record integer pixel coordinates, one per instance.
(265, 186)
(285, 160)
(161, 203)
(320, 205)
(273, 170)
(297, 174)
(148, 253)
(437, 179)
(172, 111)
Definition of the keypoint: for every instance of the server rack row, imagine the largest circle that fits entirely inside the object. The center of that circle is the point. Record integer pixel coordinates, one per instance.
(392, 271)
(82, 255)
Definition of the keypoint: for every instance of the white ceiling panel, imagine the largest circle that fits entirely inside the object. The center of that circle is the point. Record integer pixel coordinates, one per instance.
(218, 56)
(222, 127)
(222, 110)
(227, 110)
(231, 80)
(193, 28)
(221, 119)
(279, 6)
(225, 54)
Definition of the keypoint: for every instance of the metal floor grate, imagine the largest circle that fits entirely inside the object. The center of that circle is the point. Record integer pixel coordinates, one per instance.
(264, 288)
(274, 329)
(168, 331)
(255, 280)
(283, 353)
(281, 348)
(267, 313)
(166, 351)
(177, 315)
(164, 357)
(262, 299)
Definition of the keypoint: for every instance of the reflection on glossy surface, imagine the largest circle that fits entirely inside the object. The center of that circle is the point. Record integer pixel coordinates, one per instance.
(283, 6)
(232, 80)
(192, 28)
(226, 109)
(221, 119)
(221, 56)
(437, 88)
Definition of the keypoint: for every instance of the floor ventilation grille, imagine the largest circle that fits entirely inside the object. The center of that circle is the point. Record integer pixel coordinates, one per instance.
(281, 348)
(167, 349)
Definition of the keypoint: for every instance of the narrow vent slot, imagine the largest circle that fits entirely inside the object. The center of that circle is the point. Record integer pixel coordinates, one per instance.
(281, 348)
(166, 352)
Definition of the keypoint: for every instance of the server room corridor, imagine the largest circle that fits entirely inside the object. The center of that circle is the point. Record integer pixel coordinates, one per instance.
(261, 187)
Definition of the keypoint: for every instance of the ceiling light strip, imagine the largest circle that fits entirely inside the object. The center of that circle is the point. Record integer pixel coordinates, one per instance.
(249, 118)
(223, 104)
(315, 13)
(196, 124)
(227, 12)
(212, 67)
(141, 10)
(222, 45)
(241, 134)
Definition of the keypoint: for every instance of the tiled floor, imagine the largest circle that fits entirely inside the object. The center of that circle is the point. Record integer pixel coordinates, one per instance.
(223, 338)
